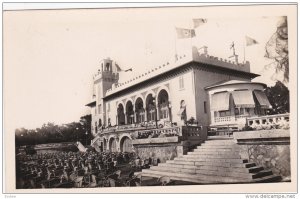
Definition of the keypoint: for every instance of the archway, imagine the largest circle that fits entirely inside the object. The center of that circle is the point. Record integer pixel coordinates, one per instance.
(112, 145)
(150, 107)
(139, 110)
(121, 115)
(129, 112)
(126, 144)
(163, 104)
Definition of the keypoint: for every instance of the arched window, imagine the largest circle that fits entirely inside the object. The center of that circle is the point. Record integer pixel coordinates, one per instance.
(126, 144)
(150, 108)
(139, 110)
(107, 66)
(163, 104)
(121, 115)
(129, 112)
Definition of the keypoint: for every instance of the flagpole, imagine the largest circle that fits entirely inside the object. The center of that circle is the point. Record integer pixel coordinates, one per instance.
(191, 25)
(175, 37)
(244, 51)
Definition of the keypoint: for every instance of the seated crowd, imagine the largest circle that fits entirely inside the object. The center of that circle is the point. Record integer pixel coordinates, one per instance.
(75, 169)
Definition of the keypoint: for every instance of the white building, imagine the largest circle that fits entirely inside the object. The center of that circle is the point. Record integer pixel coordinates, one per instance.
(206, 91)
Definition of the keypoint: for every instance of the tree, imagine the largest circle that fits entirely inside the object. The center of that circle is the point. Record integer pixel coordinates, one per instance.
(52, 133)
(277, 49)
(279, 97)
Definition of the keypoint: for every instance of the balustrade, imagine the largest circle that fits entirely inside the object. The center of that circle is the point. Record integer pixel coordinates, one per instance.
(224, 119)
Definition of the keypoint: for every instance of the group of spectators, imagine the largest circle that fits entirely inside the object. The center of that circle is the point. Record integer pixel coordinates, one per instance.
(278, 124)
(76, 169)
(157, 133)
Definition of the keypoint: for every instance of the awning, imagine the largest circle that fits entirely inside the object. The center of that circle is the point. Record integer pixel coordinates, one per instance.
(243, 99)
(220, 101)
(91, 104)
(262, 99)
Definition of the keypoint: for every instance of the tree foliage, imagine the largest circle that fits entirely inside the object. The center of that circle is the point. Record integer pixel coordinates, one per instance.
(279, 97)
(52, 133)
(277, 49)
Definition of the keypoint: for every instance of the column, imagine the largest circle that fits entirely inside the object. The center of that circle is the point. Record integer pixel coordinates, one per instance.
(170, 111)
(134, 115)
(107, 144)
(145, 114)
(157, 111)
(125, 113)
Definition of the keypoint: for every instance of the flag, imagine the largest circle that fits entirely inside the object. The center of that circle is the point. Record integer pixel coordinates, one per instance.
(183, 33)
(199, 22)
(232, 45)
(130, 69)
(250, 41)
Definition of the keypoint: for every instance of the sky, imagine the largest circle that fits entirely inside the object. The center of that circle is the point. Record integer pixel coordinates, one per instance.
(50, 56)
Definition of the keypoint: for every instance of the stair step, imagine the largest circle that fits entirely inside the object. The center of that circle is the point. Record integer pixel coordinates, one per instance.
(219, 144)
(222, 173)
(218, 147)
(270, 178)
(176, 165)
(214, 162)
(220, 167)
(208, 159)
(218, 156)
(207, 179)
(255, 169)
(215, 150)
(217, 138)
(213, 153)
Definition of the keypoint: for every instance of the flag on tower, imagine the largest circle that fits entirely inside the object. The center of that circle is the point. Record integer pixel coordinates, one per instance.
(183, 33)
(250, 41)
(199, 22)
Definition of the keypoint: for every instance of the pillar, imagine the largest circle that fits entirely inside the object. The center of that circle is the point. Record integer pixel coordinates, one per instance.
(146, 114)
(107, 144)
(134, 115)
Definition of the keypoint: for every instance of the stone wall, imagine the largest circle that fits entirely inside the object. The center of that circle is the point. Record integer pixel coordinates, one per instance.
(163, 152)
(267, 148)
(274, 157)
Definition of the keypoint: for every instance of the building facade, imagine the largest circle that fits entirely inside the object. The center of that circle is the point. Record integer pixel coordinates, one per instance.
(172, 104)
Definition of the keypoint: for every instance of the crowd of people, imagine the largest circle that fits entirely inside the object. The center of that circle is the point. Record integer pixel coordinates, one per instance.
(157, 133)
(76, 169)
(277, 124)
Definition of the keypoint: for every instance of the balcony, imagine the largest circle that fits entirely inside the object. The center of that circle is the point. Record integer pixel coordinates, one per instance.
(272, 119)
(149, 134)
(127, 128)
(235, 119)
(225, 119)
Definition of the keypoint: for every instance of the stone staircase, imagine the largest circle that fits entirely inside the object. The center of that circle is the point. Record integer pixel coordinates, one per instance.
(214, 162)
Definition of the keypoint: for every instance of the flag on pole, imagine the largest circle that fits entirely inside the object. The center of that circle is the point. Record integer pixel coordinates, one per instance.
(199, 22)
(183, 33)
(130, 69)
(250, 41)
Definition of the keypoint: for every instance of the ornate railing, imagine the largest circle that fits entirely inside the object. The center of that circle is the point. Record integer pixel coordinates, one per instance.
(127, 127)
(224, 119)
(156, 133)
(273, 121)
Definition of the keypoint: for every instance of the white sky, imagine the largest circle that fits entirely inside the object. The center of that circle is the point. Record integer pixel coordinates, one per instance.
(50, 56)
